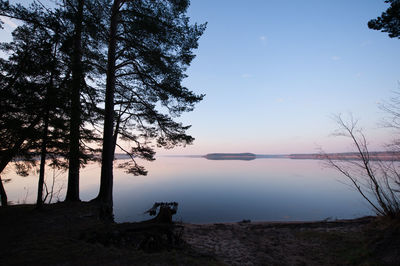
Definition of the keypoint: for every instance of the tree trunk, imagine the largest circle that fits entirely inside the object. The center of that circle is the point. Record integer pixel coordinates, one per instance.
(74, 138)
(3, 194)
(106, 181)
(43, 152)
(115, 136)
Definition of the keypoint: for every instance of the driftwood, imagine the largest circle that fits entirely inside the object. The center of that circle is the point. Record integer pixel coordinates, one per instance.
(159, 233)
(166, 210)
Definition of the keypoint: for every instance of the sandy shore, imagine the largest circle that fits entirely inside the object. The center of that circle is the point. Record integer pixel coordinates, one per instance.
(275, 243)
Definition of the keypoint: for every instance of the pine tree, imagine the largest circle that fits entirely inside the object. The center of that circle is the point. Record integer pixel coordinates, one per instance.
(59, 26)
(33, 107)
(389, 21)
(150, 46)
(86, 20)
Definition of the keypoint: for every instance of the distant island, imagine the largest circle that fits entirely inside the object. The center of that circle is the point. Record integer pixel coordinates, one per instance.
(380, 155)
(230, 156)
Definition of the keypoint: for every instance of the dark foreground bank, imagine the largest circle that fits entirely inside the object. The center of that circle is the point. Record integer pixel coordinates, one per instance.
(72, 234)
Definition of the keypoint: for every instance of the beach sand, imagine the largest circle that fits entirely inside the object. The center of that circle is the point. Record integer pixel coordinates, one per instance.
(278, 243)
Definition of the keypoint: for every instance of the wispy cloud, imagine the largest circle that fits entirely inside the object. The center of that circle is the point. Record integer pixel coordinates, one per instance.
(8, 22)
(247, 75)
(263, 39)
(335, 58)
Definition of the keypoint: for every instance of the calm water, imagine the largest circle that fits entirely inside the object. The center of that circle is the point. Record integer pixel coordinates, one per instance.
(218, 191)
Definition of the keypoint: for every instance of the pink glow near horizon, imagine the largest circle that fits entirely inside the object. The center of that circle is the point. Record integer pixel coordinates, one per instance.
(328, 143)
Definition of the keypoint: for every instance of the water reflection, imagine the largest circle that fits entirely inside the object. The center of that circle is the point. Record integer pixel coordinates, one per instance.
(222, 191)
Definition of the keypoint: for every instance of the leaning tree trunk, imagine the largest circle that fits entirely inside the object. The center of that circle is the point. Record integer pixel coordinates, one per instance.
(106, 181)
(74, 137)
(3, 194)
(11, 153)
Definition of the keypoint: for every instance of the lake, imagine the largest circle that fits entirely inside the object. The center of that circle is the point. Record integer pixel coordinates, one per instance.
(217, 190)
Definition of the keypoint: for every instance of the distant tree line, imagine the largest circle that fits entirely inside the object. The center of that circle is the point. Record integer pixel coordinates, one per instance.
(84, 74)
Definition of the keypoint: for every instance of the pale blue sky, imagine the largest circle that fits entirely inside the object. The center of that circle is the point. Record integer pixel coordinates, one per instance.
(274, 72)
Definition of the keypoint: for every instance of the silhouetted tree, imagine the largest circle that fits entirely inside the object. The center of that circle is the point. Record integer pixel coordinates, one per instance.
(87, 60)
(378, 182)
(150, 45)
(389, 21)
(54, 110)
(77, 79)
(17, 122)
(149, 48)
(28, 78)
(34, 87)
(65, 22)
(85, 19)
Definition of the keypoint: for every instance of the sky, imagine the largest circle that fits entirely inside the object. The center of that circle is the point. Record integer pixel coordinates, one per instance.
(274, 72)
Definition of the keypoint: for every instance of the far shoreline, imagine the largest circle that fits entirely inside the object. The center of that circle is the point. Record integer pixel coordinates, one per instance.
(247, 156)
